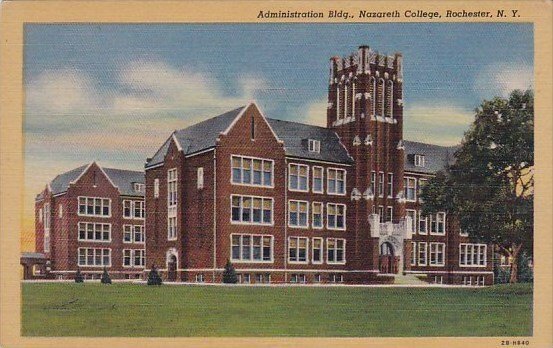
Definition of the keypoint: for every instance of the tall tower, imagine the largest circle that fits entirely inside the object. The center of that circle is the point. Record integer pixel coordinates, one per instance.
(365, 108)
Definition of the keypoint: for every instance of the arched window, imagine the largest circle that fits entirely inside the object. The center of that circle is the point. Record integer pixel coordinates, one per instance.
(352, 99)
(372, 92)
(390, 99)
(380, 97)
(345, 101)
(337, 101)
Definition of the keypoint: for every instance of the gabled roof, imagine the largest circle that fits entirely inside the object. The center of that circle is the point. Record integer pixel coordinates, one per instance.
(295, 136)
(121, 178)
(436, 157)
(198, 137)
(203, 136)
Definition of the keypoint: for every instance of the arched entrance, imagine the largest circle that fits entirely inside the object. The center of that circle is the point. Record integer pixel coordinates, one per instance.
(388, 261)
(172, 265)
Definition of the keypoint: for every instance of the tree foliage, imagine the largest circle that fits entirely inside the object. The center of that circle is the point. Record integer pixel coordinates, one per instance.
(489, 187)
(229, 274)
(153, 277)
(79, 276)
(105, 277)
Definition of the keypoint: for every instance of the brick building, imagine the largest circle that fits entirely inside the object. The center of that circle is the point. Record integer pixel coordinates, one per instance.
(290, 202)
(90, 218)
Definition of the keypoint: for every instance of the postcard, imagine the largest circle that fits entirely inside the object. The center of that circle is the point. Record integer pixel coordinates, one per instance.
(281, 173)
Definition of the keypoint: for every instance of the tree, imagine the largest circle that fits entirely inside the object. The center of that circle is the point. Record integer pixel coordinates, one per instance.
(489, 187)
(229, 275)
(153, 277)
(105, 277)
(78, 276)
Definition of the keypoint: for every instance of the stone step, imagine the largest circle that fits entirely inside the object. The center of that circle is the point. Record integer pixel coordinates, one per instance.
(410, 279)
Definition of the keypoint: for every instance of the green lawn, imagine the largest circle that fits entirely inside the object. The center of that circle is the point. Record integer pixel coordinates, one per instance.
(123, 309)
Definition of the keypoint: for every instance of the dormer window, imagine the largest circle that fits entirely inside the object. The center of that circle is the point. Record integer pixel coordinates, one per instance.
(314, 146)
(139, 187)
(419, 160)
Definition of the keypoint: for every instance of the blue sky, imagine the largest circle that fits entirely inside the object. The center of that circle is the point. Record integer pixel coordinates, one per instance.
(113, 93)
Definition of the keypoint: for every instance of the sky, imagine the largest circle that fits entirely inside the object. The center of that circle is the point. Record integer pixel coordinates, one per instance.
(114, 93)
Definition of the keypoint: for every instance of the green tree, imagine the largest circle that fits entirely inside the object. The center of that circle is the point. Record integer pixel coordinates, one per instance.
(489, 187)
(105, 277)
(229, 274)
(154, 277)
(79, 276)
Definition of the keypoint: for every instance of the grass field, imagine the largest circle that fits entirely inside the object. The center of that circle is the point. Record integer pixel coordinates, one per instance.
(123, 309)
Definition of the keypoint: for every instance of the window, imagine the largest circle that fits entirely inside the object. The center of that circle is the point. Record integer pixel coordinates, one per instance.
(381, 216)
(156, 188)
(96, 232)
(480, 280)
(314, 146)
(252, 171)
(47, 215)
(127, 258)
(94, 257)
(318, 179)
(438, 279)
(390, 185)
(317, 250)
(298, 278)
(200, 178)
(317, 278)
(133, 209)
(172, 188)
(389, 214)
(134, 257)
(199, 278)
(472, 255)
(336, 181)
(410, 189)
(297, 249)
(251, 248)
(422, 183)
(422, 253)
(60, 211)
(380, 184)
(317, 215)
(127, 233)
(336, 250)
(252, 210)
(246, 278)
(139, 259)
(437, 254)
(297, 214)
(423, 223)
(419, 160)
(94, 206)
(172, 228)
(298, 177)
(413, 253)
(337, 278)
(336, 216)
(413, 215)
(138, 187)
(437, 224)
(138, 234)
(40, 215)
(139, 209)
(373, 181)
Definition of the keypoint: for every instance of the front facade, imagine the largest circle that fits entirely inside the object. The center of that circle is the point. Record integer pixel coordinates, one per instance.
(285, 202)
(90, 218)
(289, 202)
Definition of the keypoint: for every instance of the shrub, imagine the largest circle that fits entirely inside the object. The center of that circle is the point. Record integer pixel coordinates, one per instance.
(78, 276)
(153, 277)
(105, 277)
(229, 275)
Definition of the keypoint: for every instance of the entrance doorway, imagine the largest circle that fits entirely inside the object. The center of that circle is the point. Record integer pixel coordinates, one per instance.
(172, 268)
(388, 262)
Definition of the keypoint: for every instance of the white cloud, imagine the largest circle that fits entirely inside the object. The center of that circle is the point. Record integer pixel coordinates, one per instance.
(441, 123)
(315, 113)
(502, 78)
(71, 119)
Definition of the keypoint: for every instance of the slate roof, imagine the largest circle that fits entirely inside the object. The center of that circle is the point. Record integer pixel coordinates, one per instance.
(203, 135)
(436, 157)
(295, 136)
(198, 137)
(121, 178)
